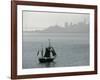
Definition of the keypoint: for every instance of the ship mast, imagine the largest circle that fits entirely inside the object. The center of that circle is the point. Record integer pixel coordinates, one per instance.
(51, 48)
(49, 43)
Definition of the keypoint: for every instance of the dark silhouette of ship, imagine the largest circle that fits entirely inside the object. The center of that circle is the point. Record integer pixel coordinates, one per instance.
(48, 55)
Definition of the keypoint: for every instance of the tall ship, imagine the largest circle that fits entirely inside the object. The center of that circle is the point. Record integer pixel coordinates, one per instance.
(48, 55)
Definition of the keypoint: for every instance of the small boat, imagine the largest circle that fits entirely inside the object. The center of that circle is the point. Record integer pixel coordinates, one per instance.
(43, 60)
(48, 55)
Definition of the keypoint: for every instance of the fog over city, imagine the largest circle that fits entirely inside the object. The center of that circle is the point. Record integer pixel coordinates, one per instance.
(48, 21)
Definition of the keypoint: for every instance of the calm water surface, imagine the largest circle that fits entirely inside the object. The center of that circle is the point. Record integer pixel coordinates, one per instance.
(72, 49)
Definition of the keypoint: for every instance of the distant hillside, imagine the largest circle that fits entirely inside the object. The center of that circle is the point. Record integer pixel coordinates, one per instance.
(81, 27)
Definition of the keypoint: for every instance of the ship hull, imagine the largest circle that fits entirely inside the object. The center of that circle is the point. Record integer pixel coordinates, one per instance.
(43, 60)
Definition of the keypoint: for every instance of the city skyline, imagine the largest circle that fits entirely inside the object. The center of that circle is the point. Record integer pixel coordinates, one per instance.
(42, 20)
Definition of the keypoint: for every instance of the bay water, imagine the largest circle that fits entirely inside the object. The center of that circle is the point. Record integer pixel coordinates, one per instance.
(72, 49)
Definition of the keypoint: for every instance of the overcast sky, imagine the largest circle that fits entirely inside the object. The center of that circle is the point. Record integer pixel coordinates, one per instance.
(41, 20)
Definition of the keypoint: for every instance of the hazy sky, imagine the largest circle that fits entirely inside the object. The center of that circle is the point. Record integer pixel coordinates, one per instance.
(41, 20)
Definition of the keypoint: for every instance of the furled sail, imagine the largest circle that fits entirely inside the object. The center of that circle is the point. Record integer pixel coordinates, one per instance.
(47, 52)
(53, 52)
(42, 52)
(38, 53)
